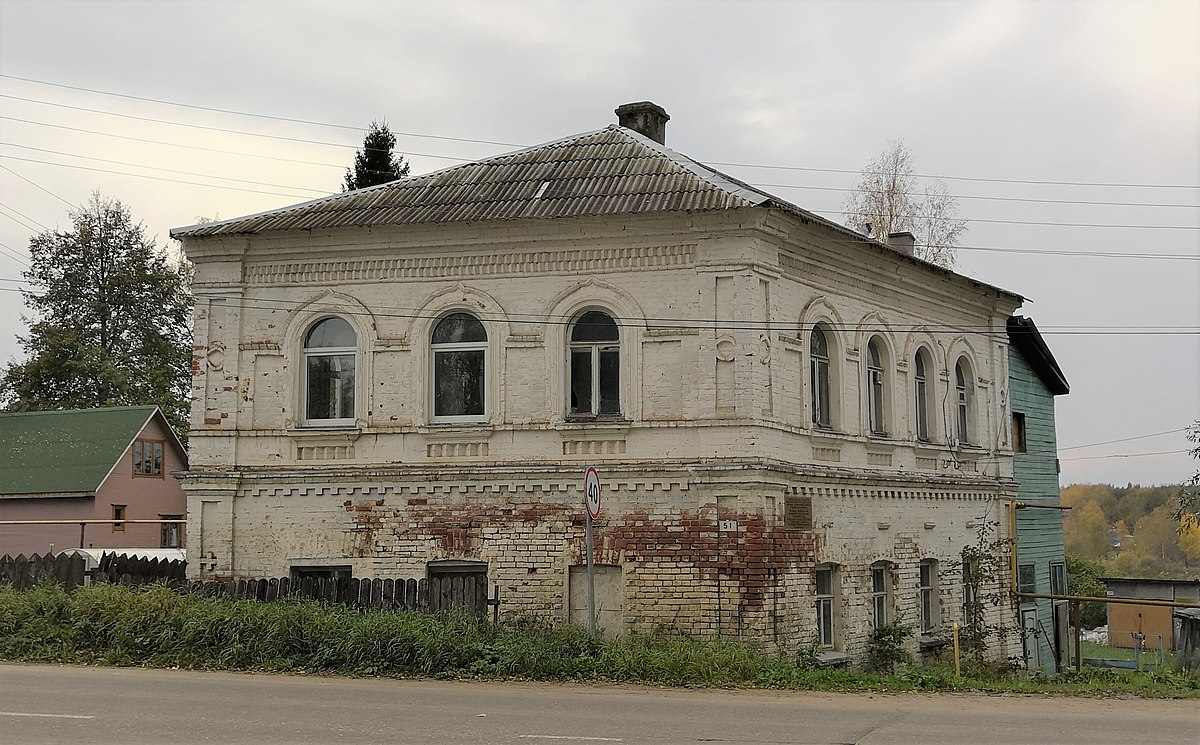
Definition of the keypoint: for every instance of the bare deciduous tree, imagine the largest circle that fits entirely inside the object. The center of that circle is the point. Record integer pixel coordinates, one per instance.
(887, 200)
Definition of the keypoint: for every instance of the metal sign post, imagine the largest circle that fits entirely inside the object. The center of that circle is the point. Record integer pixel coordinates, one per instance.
(591, 489)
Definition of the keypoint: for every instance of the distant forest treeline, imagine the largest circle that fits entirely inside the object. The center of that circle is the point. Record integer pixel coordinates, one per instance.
(1131, 530)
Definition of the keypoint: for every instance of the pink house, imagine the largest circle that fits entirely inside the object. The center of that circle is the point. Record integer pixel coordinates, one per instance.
(111, 465)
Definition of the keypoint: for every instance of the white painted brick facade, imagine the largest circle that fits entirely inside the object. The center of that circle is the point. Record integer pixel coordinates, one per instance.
(714, 311)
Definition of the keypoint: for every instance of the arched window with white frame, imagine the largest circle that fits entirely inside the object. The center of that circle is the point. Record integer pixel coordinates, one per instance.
(330, 348)
(458, 348)
(876, 416)
(963, 401)
(595, 350)
(820, 392)
(921, 394)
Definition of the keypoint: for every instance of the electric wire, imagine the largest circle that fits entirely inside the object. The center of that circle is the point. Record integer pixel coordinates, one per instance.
(474, 140)
(10, 208)
(979, 197)
(17, 220)
(1124, 439)
(330, 193)
(1124, 455)
(165, 170)
(36, 186)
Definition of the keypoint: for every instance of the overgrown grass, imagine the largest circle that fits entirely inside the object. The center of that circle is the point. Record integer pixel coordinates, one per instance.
(154, 626)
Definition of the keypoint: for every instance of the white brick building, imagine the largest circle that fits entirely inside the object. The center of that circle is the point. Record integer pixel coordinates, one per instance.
(798, 428)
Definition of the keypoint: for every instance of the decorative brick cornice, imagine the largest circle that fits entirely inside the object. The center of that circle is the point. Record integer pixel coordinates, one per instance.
(501, 264)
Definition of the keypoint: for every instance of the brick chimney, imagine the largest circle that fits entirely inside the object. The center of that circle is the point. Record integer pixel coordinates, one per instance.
(905, 242)
(645, 118)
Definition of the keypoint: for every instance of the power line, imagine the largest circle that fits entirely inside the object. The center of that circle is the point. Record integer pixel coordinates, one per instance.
(963, 178)
(257, 116)
(154, 178)
(1124, 439)
(518, 145)
(991, 198)
(14, 255)
(406, 153)
(1038, 222)
(1031, 200)
(36, 186)
(324, 192)
(691, 323)
(1124, 455)
(10, 208)
(18, 221)
(164, 170)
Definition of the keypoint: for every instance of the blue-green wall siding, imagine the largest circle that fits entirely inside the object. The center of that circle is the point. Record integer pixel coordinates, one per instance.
(1039, 532)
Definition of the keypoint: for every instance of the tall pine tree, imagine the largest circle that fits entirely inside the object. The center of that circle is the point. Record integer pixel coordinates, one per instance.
(375, 163)
(110, 321)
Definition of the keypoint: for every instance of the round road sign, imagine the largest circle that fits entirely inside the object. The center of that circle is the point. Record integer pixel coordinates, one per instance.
(591, 488)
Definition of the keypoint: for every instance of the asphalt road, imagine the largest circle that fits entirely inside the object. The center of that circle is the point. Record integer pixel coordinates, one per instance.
(63, 704)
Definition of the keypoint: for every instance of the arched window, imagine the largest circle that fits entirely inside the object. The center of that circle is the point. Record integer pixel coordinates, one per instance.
(595, 366)
(459, 347)
(962, 378)
(875, 411)
(819, 379)
(329, 351)
(921, 395)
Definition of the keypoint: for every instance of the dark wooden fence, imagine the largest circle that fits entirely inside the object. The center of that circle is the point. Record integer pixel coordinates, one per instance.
(71, 571)
(435, 594)
(128, 570)
(26, 573)
(438, 593)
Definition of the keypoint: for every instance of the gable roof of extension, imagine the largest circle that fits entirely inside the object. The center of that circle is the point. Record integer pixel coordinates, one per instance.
(61, 453)
(1024, 335)
(609, 171)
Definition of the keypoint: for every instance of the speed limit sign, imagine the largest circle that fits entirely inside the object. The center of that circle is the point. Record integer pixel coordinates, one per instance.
(591, 488)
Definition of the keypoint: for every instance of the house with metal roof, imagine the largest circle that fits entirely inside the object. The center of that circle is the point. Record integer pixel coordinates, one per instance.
(797, 427)
(83, 478)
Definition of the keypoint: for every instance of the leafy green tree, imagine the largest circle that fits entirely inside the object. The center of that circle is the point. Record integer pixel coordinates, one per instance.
(1189, 494)
(1083, 579)
(376, 163)
(110, 321)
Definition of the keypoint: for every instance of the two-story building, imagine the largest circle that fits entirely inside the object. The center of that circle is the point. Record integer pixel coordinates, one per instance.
(797, 428)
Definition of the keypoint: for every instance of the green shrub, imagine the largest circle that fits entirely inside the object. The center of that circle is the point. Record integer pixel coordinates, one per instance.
(155, 626)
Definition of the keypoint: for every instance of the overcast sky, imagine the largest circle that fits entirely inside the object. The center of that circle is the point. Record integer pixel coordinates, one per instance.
(1000, 95)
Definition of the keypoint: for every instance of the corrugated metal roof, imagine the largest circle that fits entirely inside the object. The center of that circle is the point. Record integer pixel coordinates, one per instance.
(609, 171)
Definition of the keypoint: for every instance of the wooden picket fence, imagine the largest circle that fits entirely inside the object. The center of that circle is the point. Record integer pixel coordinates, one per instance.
(432, 595)
(129, 570)
(71, 571)
(435, 594)
(26, 573)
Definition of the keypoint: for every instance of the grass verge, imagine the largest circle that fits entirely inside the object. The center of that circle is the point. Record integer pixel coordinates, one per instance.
(154, 626)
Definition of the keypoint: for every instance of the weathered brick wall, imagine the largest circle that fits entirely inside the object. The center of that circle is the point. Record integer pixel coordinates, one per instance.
(714, 312)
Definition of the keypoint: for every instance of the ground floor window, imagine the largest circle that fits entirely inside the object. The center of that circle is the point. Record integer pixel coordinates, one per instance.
(1058, 578)
(171, 533)
(930, 613)
(880, 595)
(825, 605)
